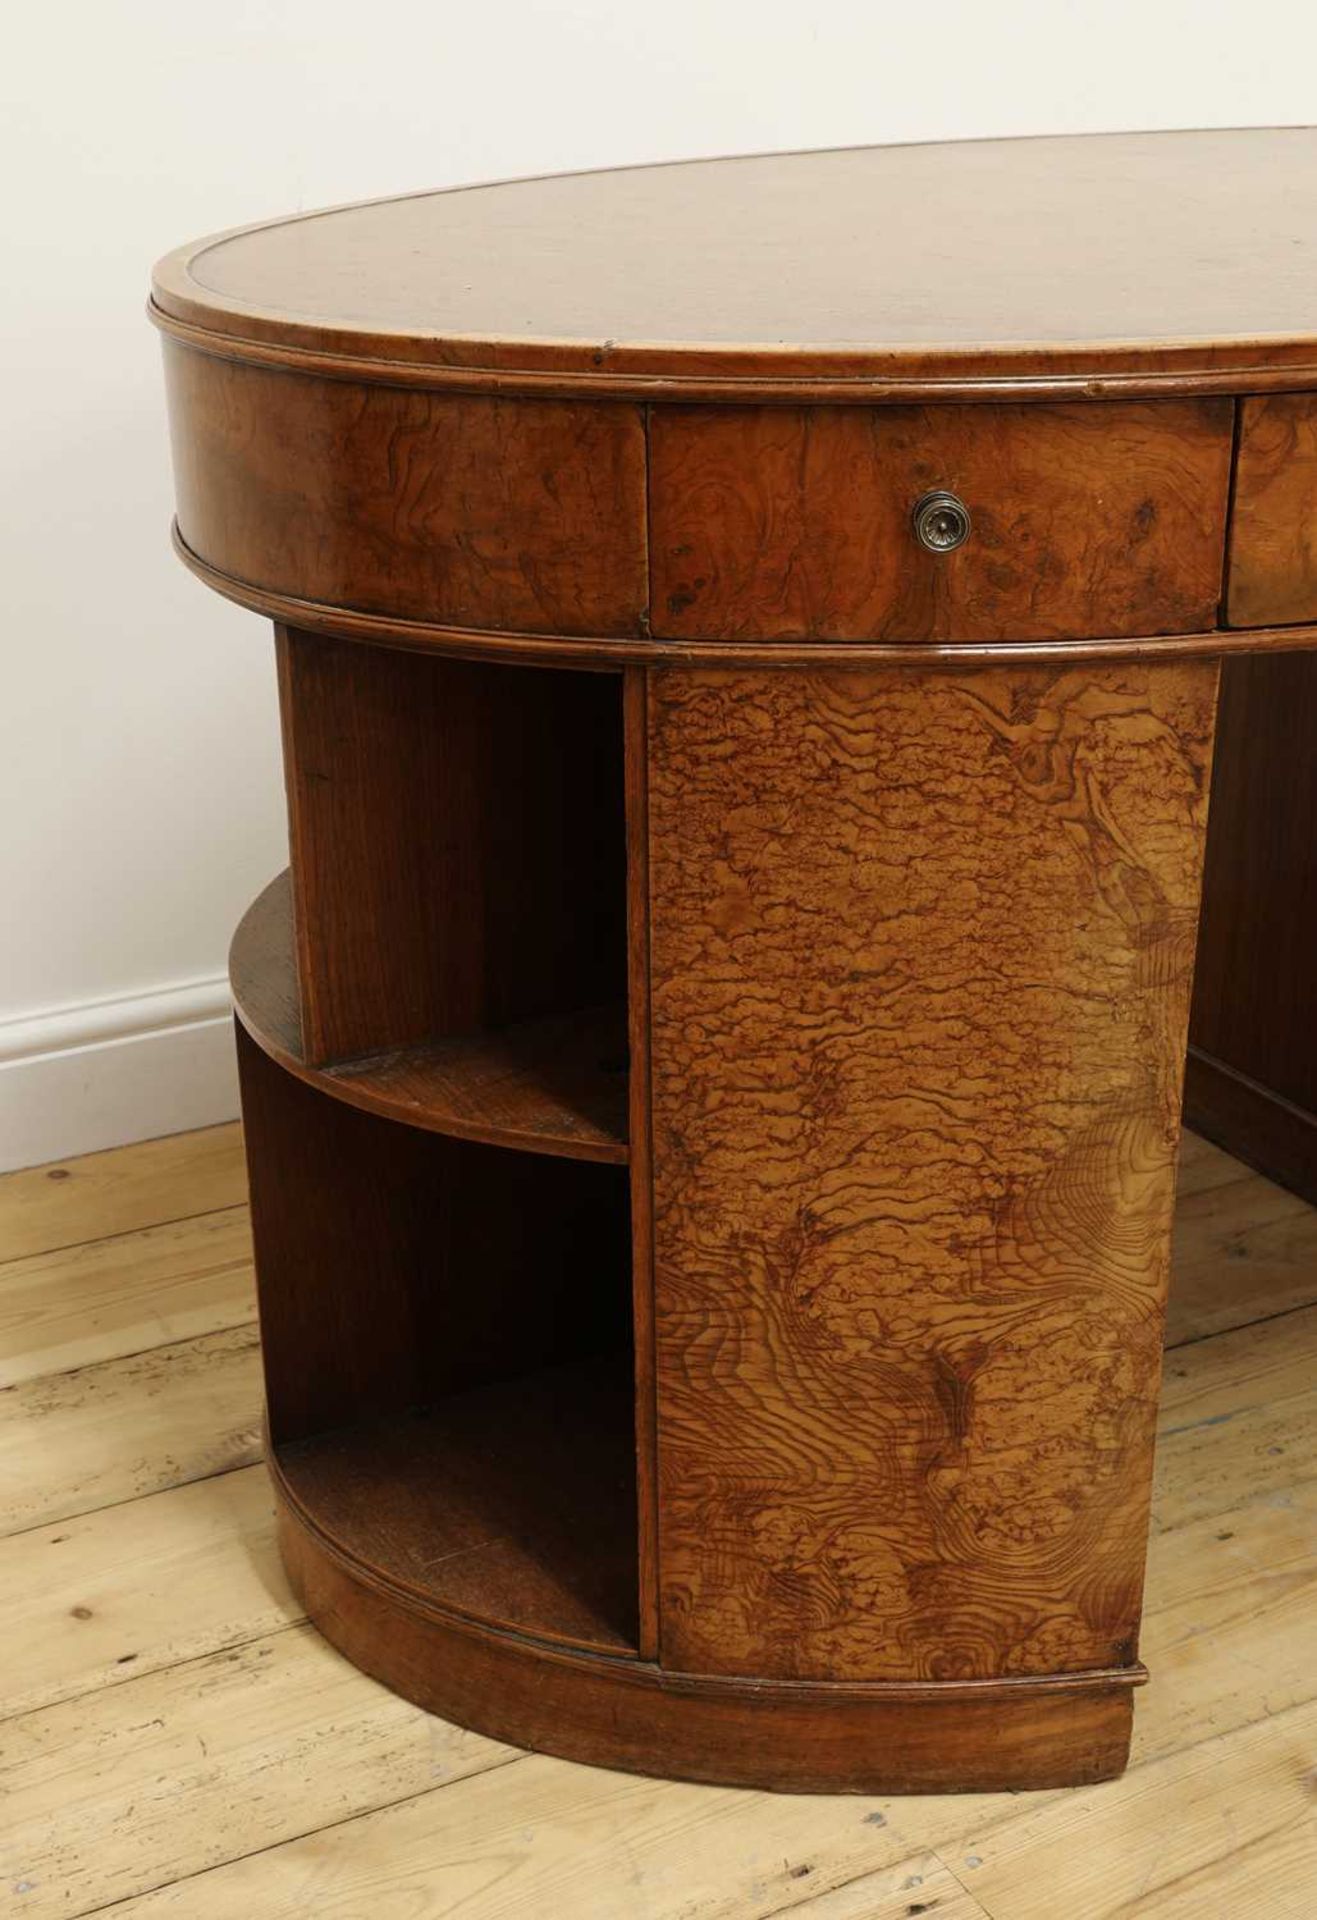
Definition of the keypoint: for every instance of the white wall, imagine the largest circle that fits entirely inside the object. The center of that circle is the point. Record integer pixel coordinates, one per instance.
(139, 785)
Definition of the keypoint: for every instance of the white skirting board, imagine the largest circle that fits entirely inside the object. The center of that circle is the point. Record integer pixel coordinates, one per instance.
(80, 1078)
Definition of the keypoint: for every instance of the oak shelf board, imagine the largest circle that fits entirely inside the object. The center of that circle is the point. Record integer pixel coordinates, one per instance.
(512, 1505)
(555, 1086)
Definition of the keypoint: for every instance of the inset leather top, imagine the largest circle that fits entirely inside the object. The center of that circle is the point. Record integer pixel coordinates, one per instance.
(1114, 264)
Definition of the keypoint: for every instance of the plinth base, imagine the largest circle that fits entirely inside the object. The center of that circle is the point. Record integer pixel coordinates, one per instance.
(618, 1711)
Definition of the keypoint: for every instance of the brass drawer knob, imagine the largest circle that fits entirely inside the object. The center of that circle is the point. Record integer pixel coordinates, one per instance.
(941, 521)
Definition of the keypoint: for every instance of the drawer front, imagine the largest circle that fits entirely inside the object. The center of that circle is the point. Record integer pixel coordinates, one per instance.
(1273, 530)
(794, 523)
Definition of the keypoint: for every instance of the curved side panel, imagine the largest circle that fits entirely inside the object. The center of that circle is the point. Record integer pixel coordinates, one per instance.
(909, 1310)
(516, 513)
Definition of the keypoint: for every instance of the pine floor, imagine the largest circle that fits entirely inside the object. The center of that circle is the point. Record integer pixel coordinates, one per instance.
(175, 1740)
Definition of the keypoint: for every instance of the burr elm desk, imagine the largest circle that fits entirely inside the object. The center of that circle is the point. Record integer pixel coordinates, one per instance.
(748, 639)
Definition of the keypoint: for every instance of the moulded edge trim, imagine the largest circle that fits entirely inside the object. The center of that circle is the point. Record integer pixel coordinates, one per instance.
(611, 655)
(741, 389)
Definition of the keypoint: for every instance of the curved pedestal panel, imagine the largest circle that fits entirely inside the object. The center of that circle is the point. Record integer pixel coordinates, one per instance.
(842, 1483)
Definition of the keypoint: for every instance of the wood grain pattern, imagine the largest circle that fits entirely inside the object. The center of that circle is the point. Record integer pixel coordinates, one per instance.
(791, 523)
(555, 1086)
(1252, 1079)
(178, 1412)
(921, 965)
(1202, 1166)
(104, 1299)
(457, 841)
(165, 1770)
(1233, 1245)
(1273, 532)
(144, 1574)
(1240, 1800)
(483, 511)
(920, 1884)
(635, 704)
(893, 857)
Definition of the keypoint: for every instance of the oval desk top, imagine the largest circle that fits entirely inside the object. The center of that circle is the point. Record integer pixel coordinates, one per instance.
(1165, 262)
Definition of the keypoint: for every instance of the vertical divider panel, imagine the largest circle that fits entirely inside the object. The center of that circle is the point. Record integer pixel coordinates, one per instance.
(456, 843)
(380, 757)
(287, 656)
(635, 728)
(1252, 1080)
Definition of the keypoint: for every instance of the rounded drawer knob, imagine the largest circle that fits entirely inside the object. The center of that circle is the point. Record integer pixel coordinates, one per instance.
(941, 521)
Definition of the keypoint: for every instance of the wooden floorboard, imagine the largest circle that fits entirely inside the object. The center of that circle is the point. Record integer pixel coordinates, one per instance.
(99, 1600)
(69, 1201)
(1241, 1250)
(103, 1299)
(175, 1740)
(126, 1789)
(73, 1442)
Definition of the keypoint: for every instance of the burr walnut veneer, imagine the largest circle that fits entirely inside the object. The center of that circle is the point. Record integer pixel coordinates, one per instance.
(748, 641)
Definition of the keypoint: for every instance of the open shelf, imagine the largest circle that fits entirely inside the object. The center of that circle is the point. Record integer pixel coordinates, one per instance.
(449, 1359)
(556, 1085)
(433, 1050)
(512, 1504)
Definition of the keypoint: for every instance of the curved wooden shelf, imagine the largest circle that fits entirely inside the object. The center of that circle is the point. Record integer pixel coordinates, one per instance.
(511, 1505)
(556, 1086)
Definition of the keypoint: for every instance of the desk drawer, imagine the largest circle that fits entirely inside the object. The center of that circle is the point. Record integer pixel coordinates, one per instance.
(1273, 531)
(794, 523)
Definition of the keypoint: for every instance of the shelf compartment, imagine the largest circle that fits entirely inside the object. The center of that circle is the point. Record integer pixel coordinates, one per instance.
(555, 1086)
(512, 1505)
(457, 836)
(400, 1268)
(449, 1361)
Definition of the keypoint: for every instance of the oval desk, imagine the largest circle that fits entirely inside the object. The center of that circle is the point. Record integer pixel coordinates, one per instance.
(748, 640)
